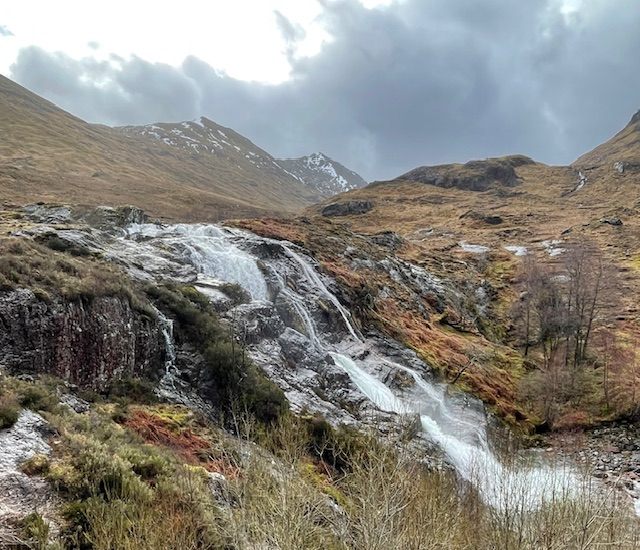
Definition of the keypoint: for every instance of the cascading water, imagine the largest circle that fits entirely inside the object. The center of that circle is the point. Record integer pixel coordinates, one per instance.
(211, 251)
(462, 435)
(460, 430)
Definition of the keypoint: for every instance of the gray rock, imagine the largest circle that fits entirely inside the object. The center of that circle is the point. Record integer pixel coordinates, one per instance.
(611, 220)
(20, 494)
(294, 345)
(347, 208)
(75, 403)
(388, 239)
(107, 217)
(47, 213)
(256, 321)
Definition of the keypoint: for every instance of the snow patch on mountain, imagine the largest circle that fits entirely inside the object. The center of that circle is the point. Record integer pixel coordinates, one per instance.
(324, 174)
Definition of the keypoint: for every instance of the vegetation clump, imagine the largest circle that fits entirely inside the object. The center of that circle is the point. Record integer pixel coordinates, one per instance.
(50, 272)
(227, 375)
(9, 410)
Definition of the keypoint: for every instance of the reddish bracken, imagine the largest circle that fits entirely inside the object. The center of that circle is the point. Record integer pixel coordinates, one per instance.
(190, 447)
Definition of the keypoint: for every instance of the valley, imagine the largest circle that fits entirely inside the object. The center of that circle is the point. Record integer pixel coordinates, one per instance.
(197, 319)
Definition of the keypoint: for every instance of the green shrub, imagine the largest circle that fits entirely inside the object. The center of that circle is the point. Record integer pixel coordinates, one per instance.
(37, 465)
(36, 398)
(228, 375)
(35, 530)
(132, 390)
(9, 410)
(146, 461)
(235, 293)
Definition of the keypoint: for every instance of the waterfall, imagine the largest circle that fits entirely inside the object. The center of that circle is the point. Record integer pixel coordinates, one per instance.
(458, 429)
(211, 251)
(465, 443)
(314, 279)
(170, 348)
(301, 310)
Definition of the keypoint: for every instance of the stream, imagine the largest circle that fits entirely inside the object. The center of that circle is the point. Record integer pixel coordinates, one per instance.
(292, 308)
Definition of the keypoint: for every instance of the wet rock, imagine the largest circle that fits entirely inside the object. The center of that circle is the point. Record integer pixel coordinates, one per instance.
(88, 343)
(256, 321)
(107, 217)
(289, 314)
(47, 213)
(294, 345)
(399, 379)
(20, 494)
(347, 208)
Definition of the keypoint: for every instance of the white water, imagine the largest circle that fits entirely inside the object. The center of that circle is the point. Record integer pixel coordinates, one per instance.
(462, 436)
(167, 334)
(314, 279)
(210, 249)
(460, 430)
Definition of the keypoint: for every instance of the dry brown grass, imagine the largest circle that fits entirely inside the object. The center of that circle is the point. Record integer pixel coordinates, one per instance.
(48, 155)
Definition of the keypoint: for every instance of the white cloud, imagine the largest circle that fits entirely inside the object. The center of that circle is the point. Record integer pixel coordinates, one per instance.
(238, 37)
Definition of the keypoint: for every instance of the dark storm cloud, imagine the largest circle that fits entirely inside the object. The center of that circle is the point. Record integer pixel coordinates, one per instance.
(415, 83)
(4, 31)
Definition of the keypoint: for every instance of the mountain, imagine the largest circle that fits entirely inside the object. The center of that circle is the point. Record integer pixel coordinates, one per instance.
(48, 155)
(323, 174)
(624, 147)
(320, 175)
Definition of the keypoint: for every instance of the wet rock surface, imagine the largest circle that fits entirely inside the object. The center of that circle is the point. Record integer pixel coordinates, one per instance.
(88, 343)
(20, 494)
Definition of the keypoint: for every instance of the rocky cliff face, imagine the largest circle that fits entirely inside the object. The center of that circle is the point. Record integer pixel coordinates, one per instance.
(88, 343)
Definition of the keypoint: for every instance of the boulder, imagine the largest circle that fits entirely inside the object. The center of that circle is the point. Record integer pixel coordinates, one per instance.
(107, 217)
(613, 220)
(490, 219)
(388, 239)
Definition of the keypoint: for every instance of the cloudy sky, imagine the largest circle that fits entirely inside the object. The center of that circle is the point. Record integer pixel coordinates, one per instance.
(380, 85)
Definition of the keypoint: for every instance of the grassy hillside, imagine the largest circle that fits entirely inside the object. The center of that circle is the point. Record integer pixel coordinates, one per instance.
(49, 155)
(470, 225)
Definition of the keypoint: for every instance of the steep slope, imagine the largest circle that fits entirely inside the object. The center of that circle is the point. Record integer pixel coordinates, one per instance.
(471, 225)
(323, 174)
(49, 155)
(623, 147)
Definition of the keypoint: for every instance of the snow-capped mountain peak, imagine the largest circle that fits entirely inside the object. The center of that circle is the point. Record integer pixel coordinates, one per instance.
(326, 175)
(318, 172)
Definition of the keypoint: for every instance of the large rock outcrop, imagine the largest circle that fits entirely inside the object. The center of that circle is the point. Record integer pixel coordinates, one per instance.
(87, 342)
(477, 175)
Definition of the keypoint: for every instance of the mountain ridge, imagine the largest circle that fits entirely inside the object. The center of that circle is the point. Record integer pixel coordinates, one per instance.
(50, 155)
